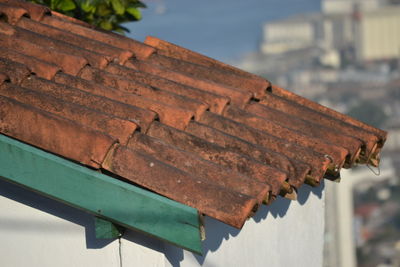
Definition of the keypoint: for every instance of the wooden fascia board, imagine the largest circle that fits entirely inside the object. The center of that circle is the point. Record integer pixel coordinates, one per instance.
(101, 195)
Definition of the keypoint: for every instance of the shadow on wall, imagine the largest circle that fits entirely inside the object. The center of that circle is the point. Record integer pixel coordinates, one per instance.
(36, 201)
(217, 232)
(73, 215)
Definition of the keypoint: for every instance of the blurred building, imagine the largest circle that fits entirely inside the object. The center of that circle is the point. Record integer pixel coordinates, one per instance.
(290, 34)
(346, 30)
(377, 34)
(347, 6)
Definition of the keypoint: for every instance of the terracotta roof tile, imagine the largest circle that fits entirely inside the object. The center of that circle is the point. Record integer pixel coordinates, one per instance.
(3, 78)
(218, 76)
(215, 102)
(296, 170)
(202, 168)
(117, 54)
(338, 154)
(53, 133)
(168, 114)
(15, 71)
(353, 145)
(223, 204)
(295, 109)
(68, 63)
(236, 96)
(113, 126)
(41, 68)
(36, 12)
(181, 124)
(131, 86)
(12, 13)
(96, 102)
(219, 155)
(318, 162)
(175, 51)
(140, 50)
(95, 59)
(317, 107)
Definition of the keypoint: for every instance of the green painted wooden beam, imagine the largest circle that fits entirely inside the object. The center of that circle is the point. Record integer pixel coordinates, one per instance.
(106, 197)
(107, 230)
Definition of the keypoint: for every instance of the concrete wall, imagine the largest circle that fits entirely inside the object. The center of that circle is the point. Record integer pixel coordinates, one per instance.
(36, 231)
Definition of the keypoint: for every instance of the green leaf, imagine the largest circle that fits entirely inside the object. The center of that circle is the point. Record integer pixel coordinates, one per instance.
(118, 7)
(106, 25)
(66, 5)
(122, 29)
(134, 12)
(137, 4)
(103, 10)
(88, 7)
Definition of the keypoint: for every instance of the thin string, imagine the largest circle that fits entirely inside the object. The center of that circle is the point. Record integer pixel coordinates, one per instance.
(373, 170)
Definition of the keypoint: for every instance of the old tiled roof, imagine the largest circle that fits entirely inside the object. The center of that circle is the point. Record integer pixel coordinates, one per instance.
(178, 123)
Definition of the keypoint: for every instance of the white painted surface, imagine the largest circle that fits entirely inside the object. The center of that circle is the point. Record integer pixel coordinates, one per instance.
(284, 234)
(31, 237)
(36, 231)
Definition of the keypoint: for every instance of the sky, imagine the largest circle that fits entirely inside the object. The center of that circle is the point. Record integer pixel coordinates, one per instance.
(222, 29)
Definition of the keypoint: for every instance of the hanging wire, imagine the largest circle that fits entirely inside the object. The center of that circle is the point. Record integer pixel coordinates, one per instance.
(377, 173)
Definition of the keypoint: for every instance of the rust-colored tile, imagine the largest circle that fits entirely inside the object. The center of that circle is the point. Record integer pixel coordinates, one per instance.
(336, 153)
(52, 133)
(3, 78)
(62, 17)
(17, 72)
(113, 126)
(140, 50)
(37, 66)
(227, 206)
(353, 145)
(172, 50)
(322, 109)
(240, 98)
(132, 86)
(35, 11)
(142, 117)
(216, 102)
(121, 56)
(68, 63)
(318, 163)
(197, 166)
(83, 98)
(219, 155)
(369, 139)
(12, 13)
(6, 28)
(94, 59)
(170, 115)
(296, 170)
(215, 75)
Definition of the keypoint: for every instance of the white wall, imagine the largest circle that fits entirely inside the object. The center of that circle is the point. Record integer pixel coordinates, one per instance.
(36, 231)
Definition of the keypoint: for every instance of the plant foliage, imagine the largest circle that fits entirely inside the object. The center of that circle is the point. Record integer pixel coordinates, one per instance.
(106, 14)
